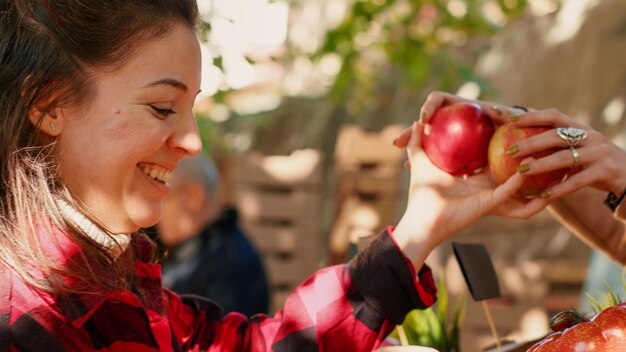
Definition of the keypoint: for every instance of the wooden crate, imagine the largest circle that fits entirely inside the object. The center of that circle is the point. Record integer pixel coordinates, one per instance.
(279, 199)
(371, 186)
(282, 238)
(361, 150)
(289, 203)
(291, 270)
(301, 169)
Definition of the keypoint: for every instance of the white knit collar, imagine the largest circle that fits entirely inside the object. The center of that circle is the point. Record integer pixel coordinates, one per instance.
(117, 242)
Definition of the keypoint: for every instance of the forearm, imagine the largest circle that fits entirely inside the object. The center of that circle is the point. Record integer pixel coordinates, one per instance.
(350, 307)
(584, 214)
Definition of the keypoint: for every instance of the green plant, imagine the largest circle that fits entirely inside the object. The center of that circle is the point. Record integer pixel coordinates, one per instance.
(603, 300)
(435, 327)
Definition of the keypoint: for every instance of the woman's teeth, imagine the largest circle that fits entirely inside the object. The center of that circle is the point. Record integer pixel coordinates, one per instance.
(157, 173)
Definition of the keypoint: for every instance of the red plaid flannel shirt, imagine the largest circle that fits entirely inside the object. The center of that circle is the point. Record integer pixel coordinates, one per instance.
(350, 307)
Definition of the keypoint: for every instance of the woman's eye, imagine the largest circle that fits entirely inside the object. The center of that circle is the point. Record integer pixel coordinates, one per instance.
(163, 112)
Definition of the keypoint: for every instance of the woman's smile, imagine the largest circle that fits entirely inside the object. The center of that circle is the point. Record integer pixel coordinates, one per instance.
(157, 176)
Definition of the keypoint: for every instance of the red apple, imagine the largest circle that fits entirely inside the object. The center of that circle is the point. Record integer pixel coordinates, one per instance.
(502, 165)
(603, 333)
(456, 138)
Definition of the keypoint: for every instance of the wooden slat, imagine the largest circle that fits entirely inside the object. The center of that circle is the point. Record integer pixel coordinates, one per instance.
(300, 169)
(291, 270)
(275, 238)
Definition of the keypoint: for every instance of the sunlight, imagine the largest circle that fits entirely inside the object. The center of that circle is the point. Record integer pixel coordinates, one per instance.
(493, 13)
(219, 113)
(240, 29)
(247, 102)
(534, 324)
(613, 113)
(212, 76)
(457, 8)
(300, 165)
(469, 90)
(542, 7)
(569, 20)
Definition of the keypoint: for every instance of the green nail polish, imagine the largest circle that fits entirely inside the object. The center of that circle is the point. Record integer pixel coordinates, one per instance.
(514, 118)
(545, 194)
(514, 149)
(523, 168)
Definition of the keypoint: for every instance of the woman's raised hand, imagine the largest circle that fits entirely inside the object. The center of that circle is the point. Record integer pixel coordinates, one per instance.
(594, 160)
(440, 205)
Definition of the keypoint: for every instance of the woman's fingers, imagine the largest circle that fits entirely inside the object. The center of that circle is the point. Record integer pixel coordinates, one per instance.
(572, 184)
(403, 139)
(434, 101)
(415, 141)
(548, 117)
(564, 159)
(500, 114)
(507, 190)
(540, 142)
(521, 210)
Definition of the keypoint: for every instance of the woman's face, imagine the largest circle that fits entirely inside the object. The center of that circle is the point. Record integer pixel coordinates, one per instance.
(117, 152)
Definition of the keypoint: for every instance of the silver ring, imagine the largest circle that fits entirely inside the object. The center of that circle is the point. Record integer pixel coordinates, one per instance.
(576, 156)
(572, 136)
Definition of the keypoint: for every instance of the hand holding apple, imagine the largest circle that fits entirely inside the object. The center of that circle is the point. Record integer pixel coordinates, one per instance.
(603, 162)
(440, 205)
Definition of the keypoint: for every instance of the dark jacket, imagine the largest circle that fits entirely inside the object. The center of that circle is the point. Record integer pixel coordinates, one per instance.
(220, 264)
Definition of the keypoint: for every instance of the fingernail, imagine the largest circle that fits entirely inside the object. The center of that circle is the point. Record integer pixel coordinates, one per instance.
(422, 116)
(523, 168)
(514, 149)
(545, 194)
(514, 118)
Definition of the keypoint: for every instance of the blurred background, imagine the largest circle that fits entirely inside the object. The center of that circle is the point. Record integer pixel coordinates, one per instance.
(301, 99)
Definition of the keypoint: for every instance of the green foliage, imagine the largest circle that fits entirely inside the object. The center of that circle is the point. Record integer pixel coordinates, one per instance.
(409, 42)
(392, 53)
(436, 327)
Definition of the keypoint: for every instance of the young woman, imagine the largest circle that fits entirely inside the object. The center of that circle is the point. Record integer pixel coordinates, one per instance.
(96, 111)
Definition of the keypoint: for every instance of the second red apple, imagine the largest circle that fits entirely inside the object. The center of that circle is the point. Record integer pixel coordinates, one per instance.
(502, 165)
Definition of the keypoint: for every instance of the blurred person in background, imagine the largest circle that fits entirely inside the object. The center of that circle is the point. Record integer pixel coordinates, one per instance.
(207, 252)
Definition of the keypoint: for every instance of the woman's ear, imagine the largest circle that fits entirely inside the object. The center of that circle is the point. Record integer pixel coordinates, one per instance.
(47, 119)
(51, 123)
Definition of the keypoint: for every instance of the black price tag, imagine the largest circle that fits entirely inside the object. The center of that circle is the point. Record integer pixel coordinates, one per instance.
(477, 269)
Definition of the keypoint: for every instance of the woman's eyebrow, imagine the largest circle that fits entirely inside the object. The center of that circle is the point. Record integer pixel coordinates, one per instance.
(168, 81)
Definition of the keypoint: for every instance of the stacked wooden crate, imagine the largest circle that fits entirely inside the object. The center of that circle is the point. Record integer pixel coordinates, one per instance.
(370, 186)
(279, 198)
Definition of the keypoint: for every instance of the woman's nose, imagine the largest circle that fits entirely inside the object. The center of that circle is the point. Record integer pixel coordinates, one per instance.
(186, 136)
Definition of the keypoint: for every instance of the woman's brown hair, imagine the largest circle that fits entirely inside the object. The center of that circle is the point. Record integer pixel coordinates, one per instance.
(47, 50)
